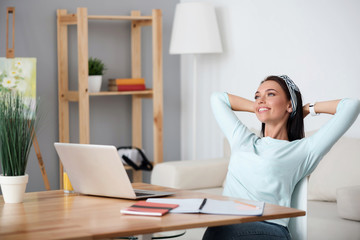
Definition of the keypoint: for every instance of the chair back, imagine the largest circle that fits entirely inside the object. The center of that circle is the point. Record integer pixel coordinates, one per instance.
(298, 225)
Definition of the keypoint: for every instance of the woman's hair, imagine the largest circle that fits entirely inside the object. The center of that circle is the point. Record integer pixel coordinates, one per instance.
(295, 124)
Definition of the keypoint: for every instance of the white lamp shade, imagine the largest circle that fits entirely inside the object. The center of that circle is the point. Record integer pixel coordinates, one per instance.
(195, 29)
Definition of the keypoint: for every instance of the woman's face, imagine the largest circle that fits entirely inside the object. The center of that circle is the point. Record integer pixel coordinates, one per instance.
(271, 104)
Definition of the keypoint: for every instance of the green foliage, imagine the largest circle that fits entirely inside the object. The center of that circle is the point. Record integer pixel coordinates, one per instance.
(18, 121)
(96, 67)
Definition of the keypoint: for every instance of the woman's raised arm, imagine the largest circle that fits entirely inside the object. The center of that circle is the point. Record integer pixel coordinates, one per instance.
(241, 104)
(223, 106)
(328, 107)
(345, 113)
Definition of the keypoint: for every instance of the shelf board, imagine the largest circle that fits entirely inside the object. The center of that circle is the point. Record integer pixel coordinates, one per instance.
(73, 96)
(109, 93)
(132, 18)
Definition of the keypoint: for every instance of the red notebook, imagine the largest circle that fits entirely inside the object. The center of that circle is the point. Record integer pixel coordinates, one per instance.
(133, 87)
(149, 208)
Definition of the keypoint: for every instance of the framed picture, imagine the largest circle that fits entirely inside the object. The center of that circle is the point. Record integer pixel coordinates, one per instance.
(18, 74)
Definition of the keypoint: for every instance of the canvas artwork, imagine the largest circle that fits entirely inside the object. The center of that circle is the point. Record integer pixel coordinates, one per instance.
(18, 74)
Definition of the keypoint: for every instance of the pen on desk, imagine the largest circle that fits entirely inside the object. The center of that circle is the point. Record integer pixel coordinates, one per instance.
(203, 204)
(247, 204)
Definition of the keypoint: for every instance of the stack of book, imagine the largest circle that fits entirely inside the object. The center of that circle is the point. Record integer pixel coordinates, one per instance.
(126, 84)
(149, 209)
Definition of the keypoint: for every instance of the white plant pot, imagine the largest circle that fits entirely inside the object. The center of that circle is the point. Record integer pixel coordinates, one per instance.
(13, 188)
(95, 83)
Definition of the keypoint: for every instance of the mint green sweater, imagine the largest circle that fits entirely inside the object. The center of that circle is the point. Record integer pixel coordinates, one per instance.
(267, 169)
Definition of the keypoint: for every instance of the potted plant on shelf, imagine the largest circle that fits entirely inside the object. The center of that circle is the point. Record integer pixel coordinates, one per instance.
(96, 70)
(18, 122)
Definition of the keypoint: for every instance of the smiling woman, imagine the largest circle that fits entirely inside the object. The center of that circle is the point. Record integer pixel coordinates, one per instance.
(275, 100)
(287, 94)
(267, 168)
(272, 107)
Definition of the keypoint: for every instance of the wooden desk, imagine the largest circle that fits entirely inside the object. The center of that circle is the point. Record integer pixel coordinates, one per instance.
(53, 214)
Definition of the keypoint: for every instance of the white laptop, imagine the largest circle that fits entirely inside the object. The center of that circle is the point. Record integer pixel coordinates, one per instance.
(98, 170)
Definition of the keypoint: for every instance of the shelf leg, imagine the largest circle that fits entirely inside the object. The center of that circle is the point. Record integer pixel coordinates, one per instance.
(83, 56)
(157, 85)
(136, 101)
(63, 81)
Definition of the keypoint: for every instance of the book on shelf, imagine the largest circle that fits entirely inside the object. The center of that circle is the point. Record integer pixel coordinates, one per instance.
(119, 88)
(149, 208)
(212, 206)
(126, 81)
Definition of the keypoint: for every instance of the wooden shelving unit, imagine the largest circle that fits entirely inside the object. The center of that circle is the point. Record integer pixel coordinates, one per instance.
(82, 96)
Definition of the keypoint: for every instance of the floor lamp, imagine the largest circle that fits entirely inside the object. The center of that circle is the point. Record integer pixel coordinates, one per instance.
(195, 31)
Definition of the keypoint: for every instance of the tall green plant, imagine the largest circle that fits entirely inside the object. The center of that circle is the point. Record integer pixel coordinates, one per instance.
(96, 66)
(18, 122)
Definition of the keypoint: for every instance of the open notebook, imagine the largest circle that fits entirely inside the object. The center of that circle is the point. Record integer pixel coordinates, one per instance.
(212, 206)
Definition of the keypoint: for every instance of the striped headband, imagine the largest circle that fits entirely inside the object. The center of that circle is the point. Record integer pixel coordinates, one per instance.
(292, 88)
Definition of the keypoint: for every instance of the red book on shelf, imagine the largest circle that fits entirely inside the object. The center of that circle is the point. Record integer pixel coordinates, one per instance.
(149, 208)
(133, 87)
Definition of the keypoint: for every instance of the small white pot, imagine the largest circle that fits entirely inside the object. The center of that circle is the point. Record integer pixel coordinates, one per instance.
(95, 83)
(13, 188)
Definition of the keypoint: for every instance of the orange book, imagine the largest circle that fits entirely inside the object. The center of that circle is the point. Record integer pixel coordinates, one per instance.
(126, 81)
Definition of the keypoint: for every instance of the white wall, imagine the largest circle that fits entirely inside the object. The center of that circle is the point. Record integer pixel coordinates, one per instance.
(316, 43)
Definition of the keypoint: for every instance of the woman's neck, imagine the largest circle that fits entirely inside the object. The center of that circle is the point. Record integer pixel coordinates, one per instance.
(277, 132)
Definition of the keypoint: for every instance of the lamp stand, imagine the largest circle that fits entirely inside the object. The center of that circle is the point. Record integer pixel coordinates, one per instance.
(194, 105)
